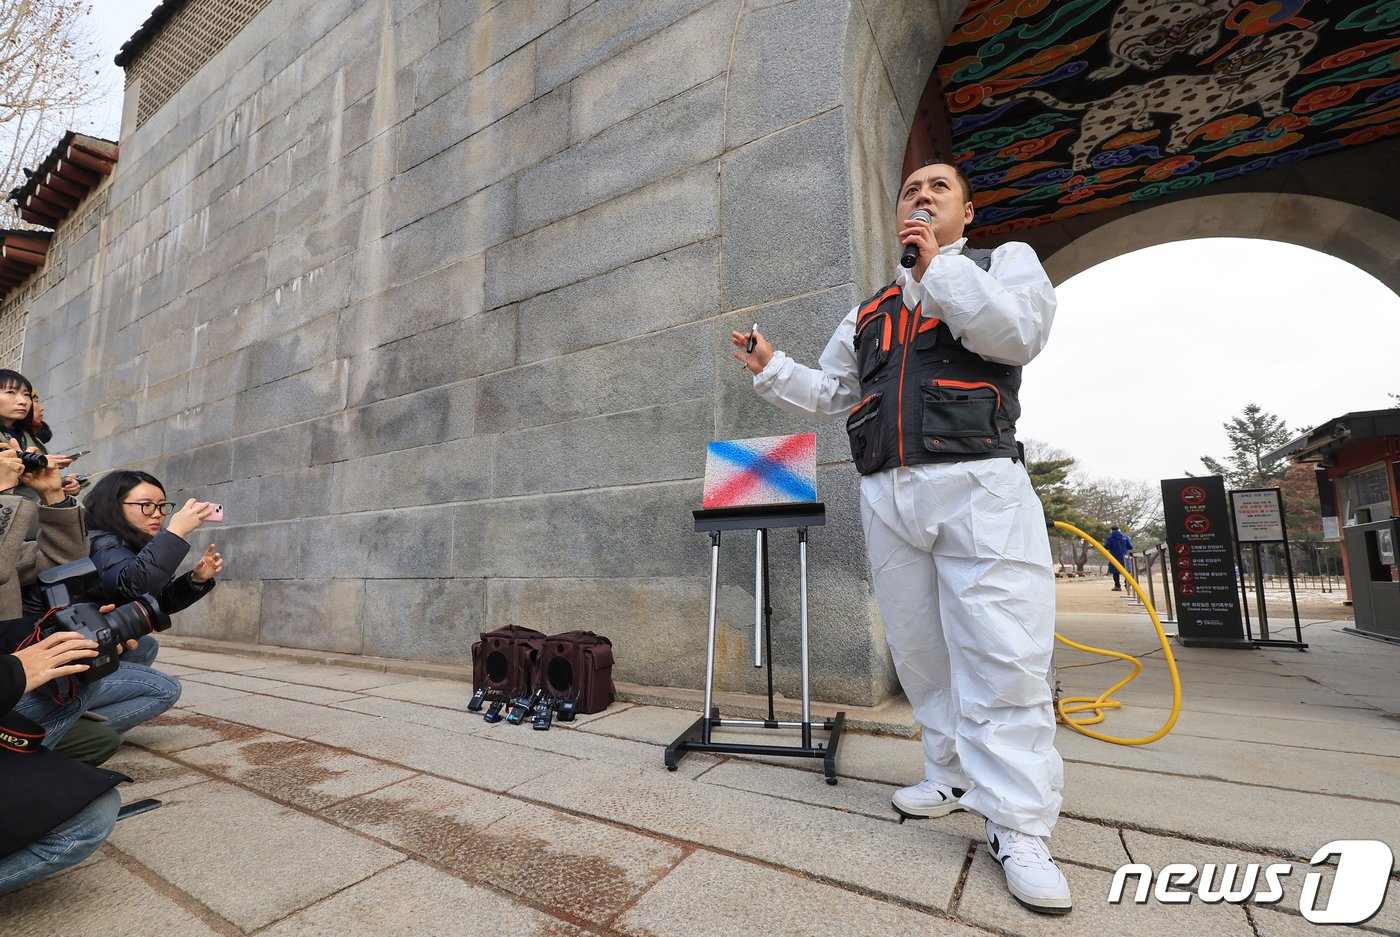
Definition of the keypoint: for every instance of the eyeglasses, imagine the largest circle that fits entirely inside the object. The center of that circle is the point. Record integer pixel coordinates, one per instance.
(152, 508)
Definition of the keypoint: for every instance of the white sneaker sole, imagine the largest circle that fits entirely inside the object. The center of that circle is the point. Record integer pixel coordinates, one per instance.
(1042, 905)
(909, 812)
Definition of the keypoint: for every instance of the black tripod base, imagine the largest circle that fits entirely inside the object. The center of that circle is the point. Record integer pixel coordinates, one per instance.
(693, 739)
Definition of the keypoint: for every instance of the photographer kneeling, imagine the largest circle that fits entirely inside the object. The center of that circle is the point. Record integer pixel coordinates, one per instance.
(57, 811)
(134, 556)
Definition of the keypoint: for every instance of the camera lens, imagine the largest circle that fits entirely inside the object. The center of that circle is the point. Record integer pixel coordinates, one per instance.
(33, 461)
(131, 621)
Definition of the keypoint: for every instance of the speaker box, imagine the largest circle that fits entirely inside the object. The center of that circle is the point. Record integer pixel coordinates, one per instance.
(577, 665)
(506, 659)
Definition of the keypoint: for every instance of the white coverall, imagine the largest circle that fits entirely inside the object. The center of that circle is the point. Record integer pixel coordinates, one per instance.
(959, 555)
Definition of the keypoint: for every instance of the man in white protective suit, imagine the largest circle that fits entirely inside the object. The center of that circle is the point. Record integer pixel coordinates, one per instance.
(927, 373)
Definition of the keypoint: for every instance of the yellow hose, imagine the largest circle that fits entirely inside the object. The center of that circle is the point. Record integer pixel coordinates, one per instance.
(1097, 704)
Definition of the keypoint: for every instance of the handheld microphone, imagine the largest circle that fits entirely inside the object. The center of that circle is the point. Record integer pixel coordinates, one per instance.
(911, 251)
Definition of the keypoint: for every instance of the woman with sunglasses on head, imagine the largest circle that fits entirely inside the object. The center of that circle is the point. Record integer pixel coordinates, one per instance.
(134, 556)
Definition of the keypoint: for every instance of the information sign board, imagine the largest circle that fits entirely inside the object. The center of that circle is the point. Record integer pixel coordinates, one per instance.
(1203, 563)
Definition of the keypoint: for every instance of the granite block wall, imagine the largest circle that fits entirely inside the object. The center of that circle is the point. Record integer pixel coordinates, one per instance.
(435, 296)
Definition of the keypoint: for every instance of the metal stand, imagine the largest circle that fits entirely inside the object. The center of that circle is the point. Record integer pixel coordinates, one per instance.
(698, 738)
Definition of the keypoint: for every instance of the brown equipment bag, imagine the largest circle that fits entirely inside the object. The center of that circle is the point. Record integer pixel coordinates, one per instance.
(506, 659)
(577, 665)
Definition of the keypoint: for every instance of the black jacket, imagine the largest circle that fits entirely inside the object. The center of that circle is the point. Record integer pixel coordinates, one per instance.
(127, 575)
(39, 788)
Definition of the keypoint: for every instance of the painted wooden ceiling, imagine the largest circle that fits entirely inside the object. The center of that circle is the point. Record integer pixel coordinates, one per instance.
(1060, 107)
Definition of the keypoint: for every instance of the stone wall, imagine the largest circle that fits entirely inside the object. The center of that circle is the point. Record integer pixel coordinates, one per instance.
(435, 295)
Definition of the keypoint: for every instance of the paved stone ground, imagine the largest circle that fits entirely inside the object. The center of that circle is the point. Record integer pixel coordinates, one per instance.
(307, 798)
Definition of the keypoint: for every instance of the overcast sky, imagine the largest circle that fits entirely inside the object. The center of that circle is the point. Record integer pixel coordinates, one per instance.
(112, 23)
(1152, 351)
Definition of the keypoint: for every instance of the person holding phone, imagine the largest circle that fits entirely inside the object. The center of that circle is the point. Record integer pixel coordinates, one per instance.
(43, 435)
(135, 553)
(17, 424)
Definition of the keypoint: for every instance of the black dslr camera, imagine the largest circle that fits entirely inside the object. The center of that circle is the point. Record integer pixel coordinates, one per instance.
(125, 623)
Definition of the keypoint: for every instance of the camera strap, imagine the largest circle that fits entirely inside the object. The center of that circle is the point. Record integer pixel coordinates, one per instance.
(20, 734)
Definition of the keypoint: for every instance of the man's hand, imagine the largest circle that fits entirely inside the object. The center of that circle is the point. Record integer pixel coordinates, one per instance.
(753, 360)
(919, 233)
(55, 656)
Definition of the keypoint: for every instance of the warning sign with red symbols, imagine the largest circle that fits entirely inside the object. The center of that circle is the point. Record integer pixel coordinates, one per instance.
(1198, 534)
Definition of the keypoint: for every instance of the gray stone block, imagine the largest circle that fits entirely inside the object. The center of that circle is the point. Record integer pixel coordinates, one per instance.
(245, 238)
(600, 30)
(445, 355)
(240, 500)
(787, 214)
(505, 27)
(484, 137)
(680, 56)
(272, 451)
(915, 865)
(381, 315)
(415, 31)
(579, 535)
(911, 32)
(293, 352)
(423, 619)
(643, 297)
(665, 215)
(303, 859)
(199, 425)
(292, 399)
(349, 50)
(220, 377)
(446, 83)
(231, 612)
(130, 904)
(405, 543)
(653, 444)
(668, 138)
(158, 401)
(293, 771)
(413, 898)
(435, 415)
(463, 229)
(127, 446)
(721, 895)
(459, 470)
(167, 357)
(306, 249)
(272, 549)
(305, 492)
(192, 468)
(775, 80)
(313, 613)
(600, 380)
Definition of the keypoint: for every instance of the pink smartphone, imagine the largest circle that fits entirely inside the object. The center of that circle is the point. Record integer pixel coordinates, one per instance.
(217, 514)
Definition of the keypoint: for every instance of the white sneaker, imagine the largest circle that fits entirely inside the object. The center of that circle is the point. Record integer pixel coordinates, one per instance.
(1031, 875)
(925, 800)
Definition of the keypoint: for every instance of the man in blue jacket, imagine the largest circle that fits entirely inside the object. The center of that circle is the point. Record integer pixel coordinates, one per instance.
(1120, 546)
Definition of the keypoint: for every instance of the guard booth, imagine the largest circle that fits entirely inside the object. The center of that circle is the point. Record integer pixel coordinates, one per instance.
(1358, 474)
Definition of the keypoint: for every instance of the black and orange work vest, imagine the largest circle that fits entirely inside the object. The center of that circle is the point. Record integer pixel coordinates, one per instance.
(924, 396)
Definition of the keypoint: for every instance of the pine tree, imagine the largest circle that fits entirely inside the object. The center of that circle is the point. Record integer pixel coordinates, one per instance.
(1253, 434)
